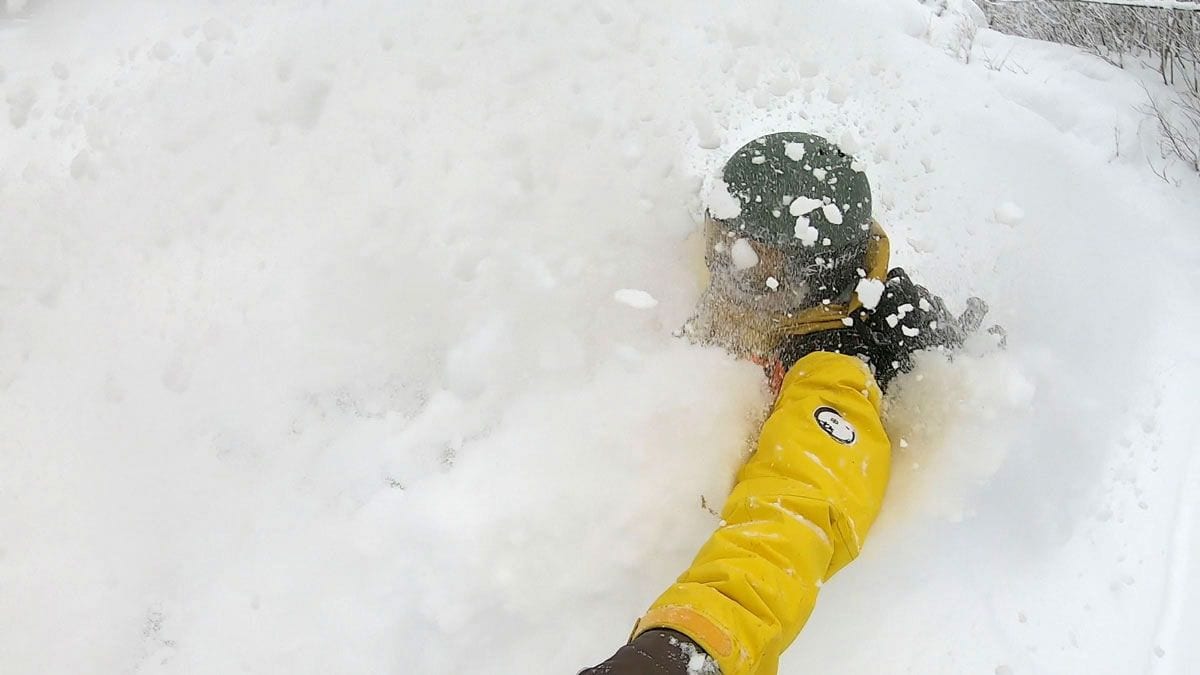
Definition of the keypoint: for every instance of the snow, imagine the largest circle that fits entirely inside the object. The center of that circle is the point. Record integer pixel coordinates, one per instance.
(698, 663)
(794, 151)
(805, 232)
(1190, 5)
(851, 144)
(869, 292)
(804, 205)
(1009, 213)
(635, 298)
(743, 255)
(832, 213)
(721, 204)
(310, 358)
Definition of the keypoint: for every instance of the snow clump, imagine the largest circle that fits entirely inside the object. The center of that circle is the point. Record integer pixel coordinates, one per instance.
(805, 232)
(804, 205)
(1009, 213)
(869, 292)
(721, 204)
(832, 213)
(635, 298)
(743, 255)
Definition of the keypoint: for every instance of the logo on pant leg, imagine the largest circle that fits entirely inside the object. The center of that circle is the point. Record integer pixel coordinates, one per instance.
(832, 423)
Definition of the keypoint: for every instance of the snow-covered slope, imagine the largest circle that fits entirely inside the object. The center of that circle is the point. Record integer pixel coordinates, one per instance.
(312, 356)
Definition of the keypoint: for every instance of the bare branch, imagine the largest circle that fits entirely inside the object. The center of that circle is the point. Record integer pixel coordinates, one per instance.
(1162, 34)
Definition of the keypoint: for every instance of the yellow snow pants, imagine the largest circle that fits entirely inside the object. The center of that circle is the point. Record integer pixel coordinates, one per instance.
(797, 514)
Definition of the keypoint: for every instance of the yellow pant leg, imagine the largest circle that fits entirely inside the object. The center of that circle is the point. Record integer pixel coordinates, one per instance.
(799, 511)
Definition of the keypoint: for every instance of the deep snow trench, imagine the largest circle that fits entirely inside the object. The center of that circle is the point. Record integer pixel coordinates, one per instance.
(321, 349)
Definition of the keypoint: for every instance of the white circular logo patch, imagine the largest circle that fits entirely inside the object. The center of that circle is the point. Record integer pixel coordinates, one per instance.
(832, 423)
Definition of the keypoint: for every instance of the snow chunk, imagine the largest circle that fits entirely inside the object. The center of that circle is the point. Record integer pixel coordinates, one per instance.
(869, 292)
(758, 159)
(832, 213)
(743, 255)
(721, 204)
(1009, 213)
(772, 283)
(850, 143)
(804, 205)
(806, 233)
(698, 661)
(794, 151)
(819, 174)
(635, 298)
(910, 332)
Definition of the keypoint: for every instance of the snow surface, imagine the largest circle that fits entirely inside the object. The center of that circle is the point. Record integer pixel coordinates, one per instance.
(309, 360)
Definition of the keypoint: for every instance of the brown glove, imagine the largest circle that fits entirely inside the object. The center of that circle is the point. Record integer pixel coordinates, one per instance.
(657, 652)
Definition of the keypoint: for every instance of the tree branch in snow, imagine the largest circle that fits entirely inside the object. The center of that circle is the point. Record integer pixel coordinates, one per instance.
(1162, 34)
